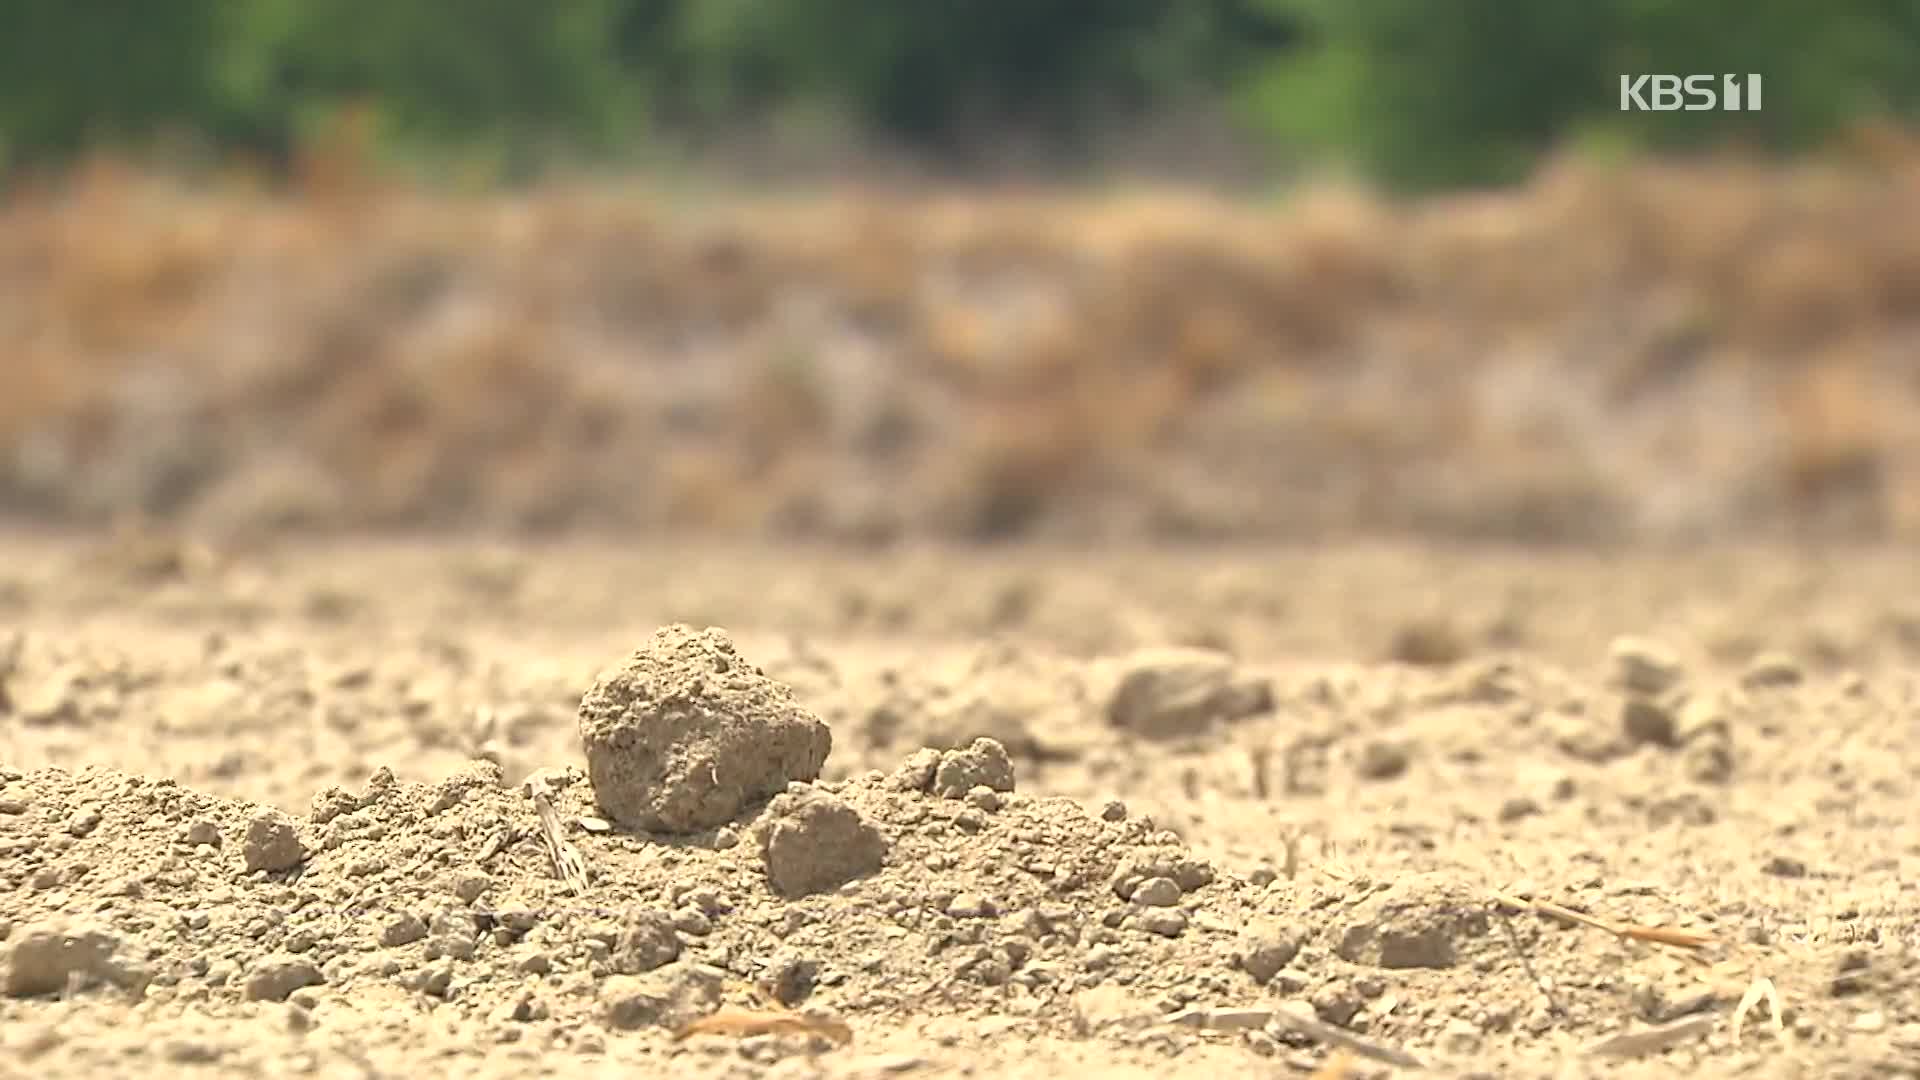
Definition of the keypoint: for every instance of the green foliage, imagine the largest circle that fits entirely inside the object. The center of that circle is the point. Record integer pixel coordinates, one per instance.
(1470, 91)
(72, 71)
(1420, 92)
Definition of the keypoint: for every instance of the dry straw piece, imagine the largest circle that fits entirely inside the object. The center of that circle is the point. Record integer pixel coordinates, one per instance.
(742, 1023)
(1657, 935)
(1761, 988)
(567, 861)
(1651, 1040)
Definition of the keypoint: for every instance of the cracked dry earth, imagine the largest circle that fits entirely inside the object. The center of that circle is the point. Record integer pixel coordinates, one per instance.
(273, 812)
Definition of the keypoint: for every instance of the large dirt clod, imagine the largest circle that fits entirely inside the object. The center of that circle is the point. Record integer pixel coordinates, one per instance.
(685, 734)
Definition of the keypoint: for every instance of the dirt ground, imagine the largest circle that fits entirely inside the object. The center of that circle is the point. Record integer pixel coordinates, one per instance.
(1267, 812)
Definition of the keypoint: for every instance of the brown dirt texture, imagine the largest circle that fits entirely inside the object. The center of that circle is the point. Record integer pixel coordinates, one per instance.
(359, 809)
(1674, 351)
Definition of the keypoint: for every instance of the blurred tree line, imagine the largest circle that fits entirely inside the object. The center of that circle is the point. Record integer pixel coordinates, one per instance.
(1421, 92)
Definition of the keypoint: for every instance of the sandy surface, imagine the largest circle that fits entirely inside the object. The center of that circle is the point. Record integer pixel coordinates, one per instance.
(262, 813)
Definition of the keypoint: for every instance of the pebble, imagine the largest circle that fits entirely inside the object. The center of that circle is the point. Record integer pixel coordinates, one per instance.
(984, 798)
(1167, 922)
(1157, 892)
(1646, 721)
(200, 831)
(84, 821)
(1772, 671)
(968, 905)
(403, 929)
(1644, 666)
(1459, 1036)
(272, 844)
(275, 977)
(1516, 807)
(1381, 759)
(471, 885)
(982, 763)
(1336, 1003)
(1264, 954)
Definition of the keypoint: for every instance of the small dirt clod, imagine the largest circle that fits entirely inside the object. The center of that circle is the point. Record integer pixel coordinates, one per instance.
(47, 958)
(812, 842)
(1172, 692)
(273, 843)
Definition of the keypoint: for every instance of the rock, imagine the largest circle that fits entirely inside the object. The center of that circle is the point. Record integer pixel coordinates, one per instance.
(1459, 1036)
(200, 831)
(646, 941)
(1644, 666)
(1172, 692)
(453, 934)
(916, 773)
(471, 885)
(475, 776)
(812, 842)
(1187, 872)
(1156, 892)
(47, 956)
(1264, 954)
(1646, 721)
(984, 799)
(1381, 759)
(1585, 738)
(1428, 642)
(84, 821)
(548, 780)
(1772, 671)
(789, 979)
(1337, 1002)
(1784, 866)
(669, 996)
(984, 763)
(685, 734)
(1108, 1006)
(1685, 808)
(402, 929)
(1167, 922)
(275, 977)
(1515, 807)
(968, 905)
(273, 844)
(1420, 922)
(1708, 759)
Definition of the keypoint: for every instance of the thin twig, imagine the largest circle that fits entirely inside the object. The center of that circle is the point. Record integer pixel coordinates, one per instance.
(1526, 964)
(1335, 1037)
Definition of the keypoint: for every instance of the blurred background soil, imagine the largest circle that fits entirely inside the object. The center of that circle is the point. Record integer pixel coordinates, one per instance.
(1658, 351)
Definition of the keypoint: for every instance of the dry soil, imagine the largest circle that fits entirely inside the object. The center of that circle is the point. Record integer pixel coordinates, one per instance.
(273, 812)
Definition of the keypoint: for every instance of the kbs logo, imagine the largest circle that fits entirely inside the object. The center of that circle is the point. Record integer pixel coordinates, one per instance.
(1694, 93)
